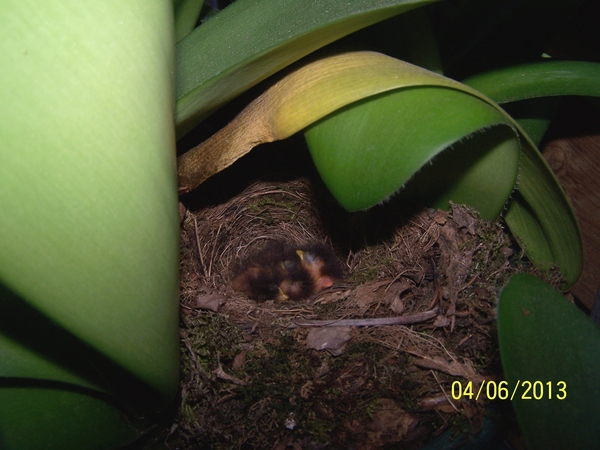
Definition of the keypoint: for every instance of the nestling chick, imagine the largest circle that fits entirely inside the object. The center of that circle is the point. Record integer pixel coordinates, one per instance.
(281, 272)
(321, 264)
(261, 273)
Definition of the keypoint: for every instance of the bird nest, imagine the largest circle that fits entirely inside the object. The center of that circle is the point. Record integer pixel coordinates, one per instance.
(368, 362)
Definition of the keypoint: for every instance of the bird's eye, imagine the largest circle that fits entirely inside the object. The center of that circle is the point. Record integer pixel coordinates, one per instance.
(288, 264)
(309, 257)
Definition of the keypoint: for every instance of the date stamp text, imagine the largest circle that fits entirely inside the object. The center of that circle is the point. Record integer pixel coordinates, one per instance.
(522, 390)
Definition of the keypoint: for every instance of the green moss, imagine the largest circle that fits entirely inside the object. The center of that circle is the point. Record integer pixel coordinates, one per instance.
(367, 274)
(264, 207)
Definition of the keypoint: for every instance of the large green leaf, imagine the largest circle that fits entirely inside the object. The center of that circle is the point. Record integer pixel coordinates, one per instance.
(366, 152)
(88, 215)
(253, 39)
(33, 347)
(543, 79)
(545, 340)
(52, 417)
(542, 219)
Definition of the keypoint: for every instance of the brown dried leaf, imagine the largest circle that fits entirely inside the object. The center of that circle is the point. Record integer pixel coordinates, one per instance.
(333, 296)
(211, 301)
(463, 219)
(332, 339)
(395, 290)
(369, 294)
(239, 361)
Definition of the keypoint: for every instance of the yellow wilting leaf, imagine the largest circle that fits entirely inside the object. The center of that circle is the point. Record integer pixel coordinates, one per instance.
(300, 99)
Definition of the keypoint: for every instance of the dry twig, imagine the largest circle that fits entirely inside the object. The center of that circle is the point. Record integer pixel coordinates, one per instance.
(378, 322)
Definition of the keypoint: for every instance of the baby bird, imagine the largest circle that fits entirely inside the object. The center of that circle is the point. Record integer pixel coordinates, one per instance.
(261, 273)
(321, 265)
(281, 272)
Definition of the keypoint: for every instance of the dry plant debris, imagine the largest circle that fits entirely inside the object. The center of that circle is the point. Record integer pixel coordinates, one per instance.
(415, 313)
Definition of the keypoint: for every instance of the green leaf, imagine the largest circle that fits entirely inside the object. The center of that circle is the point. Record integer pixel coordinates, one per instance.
(46, 354)
(542, 219)
(88, 213)
(534, 115)
(187, 13)
(408, 37)
(546, 339)
(253, 39)
(544, 79)
(368, 150)
(45, 417)
(525, 88)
